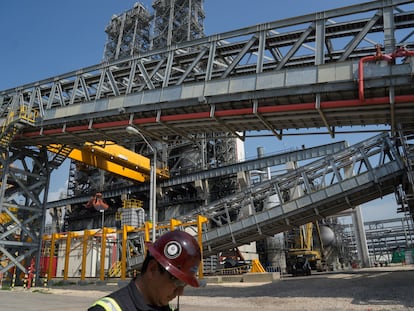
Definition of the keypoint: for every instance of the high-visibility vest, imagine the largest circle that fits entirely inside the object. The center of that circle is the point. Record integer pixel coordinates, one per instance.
(108, 303)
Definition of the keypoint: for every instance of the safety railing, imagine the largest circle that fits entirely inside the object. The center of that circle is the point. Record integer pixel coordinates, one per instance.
(15, 120)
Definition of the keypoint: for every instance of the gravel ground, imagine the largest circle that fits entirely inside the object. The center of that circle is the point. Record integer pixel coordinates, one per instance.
(376, 289)
(365, 289)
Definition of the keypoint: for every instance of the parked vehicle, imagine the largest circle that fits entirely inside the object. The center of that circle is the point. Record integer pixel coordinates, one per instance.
(301, 266)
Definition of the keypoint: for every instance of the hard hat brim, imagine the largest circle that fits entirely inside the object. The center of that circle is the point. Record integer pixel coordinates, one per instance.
(185, 277)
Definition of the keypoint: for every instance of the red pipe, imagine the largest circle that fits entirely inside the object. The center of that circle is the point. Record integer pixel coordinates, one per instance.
(229, 113)
(361, 75)
(400, 52)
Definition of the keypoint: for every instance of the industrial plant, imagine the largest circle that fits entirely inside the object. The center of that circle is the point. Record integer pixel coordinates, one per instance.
(154, 139)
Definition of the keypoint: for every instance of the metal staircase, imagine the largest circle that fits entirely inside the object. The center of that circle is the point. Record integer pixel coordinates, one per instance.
(59, 155)
(17, 117)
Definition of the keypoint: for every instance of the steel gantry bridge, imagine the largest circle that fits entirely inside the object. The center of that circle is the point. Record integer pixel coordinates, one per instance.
(350, 66)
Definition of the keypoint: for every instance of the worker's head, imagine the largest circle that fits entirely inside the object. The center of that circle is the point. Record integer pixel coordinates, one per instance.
(171, 263)
(179, 254)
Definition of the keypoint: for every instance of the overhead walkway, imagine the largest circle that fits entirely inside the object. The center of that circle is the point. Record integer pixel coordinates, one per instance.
(262, 77)
(355, 175)
(363, 172)
(244, 166)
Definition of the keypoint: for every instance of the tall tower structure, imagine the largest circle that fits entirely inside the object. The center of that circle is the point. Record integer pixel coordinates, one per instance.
(136, 31)
(177, 21)
(128, 33)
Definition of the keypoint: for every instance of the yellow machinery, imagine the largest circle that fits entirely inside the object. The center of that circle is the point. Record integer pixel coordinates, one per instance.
(5, 217)
(77, 248)
(305, 247)
(108, 156)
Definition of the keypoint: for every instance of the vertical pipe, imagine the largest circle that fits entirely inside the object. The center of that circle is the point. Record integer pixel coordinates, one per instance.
(360, 237)
(200, 221)
(67, 254)
(124, 249)
(43, 220)
(86, 234)
(147, 228)
(51, 256)
(103, 253)
(153, 194)
(190, 12)
(170, 23)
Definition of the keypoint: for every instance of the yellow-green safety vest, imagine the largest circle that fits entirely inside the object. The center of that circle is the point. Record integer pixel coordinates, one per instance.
(108, 303)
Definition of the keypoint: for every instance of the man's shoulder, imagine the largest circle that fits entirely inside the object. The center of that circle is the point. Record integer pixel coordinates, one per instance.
(96, 308)
(105, 303)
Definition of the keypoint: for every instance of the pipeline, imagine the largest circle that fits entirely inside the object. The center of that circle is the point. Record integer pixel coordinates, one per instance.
(227, 113)
(400, 52)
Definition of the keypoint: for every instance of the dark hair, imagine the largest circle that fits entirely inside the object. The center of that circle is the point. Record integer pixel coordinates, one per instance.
(145, 264)
(147, 259)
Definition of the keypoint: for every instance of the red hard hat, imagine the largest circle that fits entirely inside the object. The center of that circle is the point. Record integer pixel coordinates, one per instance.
(178, 252)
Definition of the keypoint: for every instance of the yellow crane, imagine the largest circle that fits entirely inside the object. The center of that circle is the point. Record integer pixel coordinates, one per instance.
(305, 252)
(113, 158)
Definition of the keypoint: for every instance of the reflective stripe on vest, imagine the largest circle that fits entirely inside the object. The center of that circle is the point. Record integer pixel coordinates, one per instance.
(108, 303)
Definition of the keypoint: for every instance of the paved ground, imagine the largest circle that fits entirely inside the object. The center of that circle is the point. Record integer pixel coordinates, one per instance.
(390, 288)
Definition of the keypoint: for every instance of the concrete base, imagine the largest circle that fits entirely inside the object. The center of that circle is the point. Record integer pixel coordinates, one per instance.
(264, 277)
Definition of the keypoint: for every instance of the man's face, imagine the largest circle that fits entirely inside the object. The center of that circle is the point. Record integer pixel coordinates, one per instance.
(166, 286)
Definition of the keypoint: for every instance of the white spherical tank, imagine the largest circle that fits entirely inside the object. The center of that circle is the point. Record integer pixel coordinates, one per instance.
(327, 235)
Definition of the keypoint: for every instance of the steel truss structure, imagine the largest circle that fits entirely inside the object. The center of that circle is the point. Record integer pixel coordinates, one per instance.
(227, 83)
(24, 188)
(128, 33)
(383, 237)
(137, 30)
(303, 72)
(330, 185)
(177, 21)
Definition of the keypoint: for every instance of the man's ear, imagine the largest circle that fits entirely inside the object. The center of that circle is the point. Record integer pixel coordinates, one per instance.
(152, 267)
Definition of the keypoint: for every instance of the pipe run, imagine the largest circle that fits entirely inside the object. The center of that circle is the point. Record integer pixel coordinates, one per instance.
(400, 52)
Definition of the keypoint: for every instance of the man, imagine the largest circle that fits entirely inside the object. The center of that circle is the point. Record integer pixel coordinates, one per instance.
(171, 263)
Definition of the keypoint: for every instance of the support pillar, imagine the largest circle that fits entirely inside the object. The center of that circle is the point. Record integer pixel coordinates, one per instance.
(360, 236)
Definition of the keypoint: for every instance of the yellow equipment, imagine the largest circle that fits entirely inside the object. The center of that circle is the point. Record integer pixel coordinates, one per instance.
(108, 156)
(304, 247)
(257, 267)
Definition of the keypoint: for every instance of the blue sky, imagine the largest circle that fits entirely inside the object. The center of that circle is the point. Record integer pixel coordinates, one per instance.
(44, 38)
